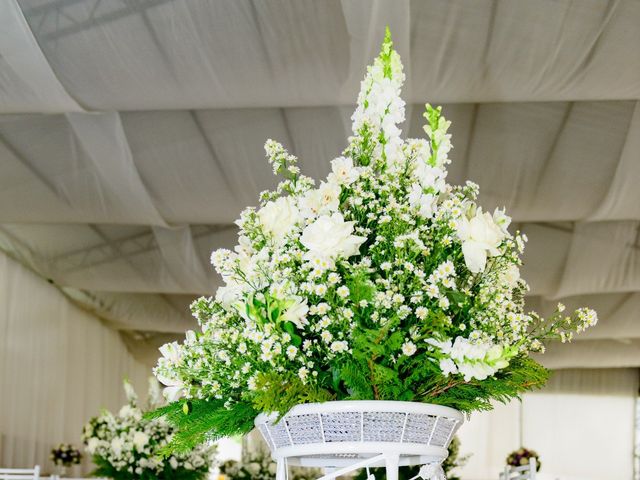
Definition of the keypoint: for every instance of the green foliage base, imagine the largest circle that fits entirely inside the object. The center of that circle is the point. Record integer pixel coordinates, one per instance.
(197, 421)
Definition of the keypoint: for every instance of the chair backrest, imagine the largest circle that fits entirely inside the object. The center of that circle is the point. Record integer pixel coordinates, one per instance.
(20, 473)
(525, 472)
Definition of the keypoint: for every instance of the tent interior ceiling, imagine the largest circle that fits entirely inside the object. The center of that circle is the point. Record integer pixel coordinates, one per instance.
(132, 136)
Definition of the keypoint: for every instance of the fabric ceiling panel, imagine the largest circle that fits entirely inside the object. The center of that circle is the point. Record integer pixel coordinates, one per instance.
(604, 257)
(159, 54)
(27, 83)
(203, 167)
(519, 50)
(545, 256)
(83, 160)
(162, 54)
(138, 312)
(180, 166)
(525, 155)
(238, 138)
(107, 258)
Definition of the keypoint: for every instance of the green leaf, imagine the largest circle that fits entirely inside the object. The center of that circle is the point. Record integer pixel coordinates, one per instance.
(289, 327)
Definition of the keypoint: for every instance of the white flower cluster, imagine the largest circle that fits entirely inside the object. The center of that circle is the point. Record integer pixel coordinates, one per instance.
(383, 263)
(260, 466)
(131, 445)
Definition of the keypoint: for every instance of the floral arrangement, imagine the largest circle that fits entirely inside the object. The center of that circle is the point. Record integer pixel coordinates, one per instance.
(127, 446)
(65, 455)
(523, 456)
(382, 282)
(260, 466)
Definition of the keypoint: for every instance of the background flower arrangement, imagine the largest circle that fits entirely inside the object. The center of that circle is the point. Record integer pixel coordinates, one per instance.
(260, 466)
(65, 455)
(383, 282)
(523, 456)
(127, 446)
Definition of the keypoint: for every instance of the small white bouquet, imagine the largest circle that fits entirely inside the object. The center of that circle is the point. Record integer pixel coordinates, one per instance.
(260, 466)
(127, 446)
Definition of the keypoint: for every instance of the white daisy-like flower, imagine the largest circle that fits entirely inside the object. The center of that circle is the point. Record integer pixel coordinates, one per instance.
(320, 290)
(339, 346)
(343, 291)
(409, 348)
(333, 278)
(291, 352)
(326, 336)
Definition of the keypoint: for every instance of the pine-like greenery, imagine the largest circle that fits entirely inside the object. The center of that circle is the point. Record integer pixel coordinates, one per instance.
(205, 420)
(198, 421)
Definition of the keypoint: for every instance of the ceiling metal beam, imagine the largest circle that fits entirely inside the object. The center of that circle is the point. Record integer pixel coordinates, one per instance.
(122, 248)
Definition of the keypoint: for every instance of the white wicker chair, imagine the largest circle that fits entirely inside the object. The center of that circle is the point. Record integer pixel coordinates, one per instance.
(525, 472)
(347, 435)
(20, 473)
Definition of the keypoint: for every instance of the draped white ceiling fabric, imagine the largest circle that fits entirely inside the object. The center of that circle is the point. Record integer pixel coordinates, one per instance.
(131, 136)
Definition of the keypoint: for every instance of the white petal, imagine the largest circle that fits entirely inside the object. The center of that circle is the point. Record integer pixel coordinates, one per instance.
(475, 256)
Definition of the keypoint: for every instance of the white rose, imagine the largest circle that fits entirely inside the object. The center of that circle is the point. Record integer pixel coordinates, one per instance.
(173, 462)
(331, 236)
(279, 217)
(480, 237)
(343, 172)
(140, 439)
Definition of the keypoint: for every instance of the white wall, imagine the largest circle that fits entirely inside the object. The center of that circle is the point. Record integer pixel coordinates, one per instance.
(581, 425)
(58, 366)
